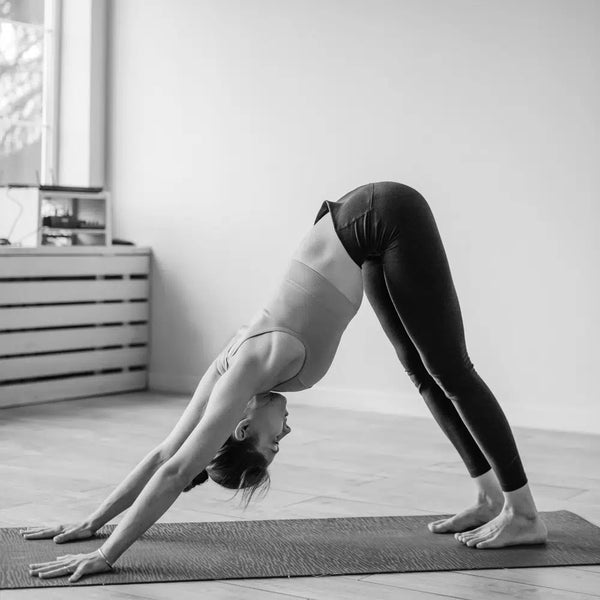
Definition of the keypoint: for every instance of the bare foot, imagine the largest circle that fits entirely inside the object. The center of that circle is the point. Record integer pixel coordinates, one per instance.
(469, 518)
(507, 529)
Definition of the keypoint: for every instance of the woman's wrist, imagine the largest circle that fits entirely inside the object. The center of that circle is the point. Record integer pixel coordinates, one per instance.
(103, 556)
(93, 523)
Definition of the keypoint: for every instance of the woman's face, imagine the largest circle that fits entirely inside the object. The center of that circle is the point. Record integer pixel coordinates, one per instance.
(268, 422)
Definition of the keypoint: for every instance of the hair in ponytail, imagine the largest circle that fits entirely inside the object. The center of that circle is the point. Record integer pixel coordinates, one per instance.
(238, 465)
(200, 478)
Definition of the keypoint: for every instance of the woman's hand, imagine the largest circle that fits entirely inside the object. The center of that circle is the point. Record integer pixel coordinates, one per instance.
(60, 533)
(76, 565)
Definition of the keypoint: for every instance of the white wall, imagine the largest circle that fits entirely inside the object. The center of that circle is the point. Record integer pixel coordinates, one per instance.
(231, 121)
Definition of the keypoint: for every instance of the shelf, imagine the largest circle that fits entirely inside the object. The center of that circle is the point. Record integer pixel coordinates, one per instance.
(81, 208)
(69, 195)
(75, 229)
(46, 250)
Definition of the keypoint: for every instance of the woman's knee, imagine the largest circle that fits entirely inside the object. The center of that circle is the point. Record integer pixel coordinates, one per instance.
(421, 379)
(457, 380)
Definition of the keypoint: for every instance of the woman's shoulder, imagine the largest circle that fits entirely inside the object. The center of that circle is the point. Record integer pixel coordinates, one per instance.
(287, 345)
(278, 354)
(275, 344)
(223, 358)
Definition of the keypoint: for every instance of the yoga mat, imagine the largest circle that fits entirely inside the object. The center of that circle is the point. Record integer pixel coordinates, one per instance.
(298, 547)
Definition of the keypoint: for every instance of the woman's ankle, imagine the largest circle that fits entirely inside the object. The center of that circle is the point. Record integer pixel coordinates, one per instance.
(520, 502)
(488, 489)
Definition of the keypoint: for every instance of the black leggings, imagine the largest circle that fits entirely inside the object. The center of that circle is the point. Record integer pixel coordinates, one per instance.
(388, 229)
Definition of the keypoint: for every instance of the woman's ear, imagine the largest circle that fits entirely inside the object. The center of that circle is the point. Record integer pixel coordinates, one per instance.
(241, 431)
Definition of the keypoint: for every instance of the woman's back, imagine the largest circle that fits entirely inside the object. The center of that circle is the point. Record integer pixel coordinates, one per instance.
(322, 250)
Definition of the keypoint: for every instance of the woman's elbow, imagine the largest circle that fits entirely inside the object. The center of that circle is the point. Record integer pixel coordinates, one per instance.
(177, 474)
(163, 453)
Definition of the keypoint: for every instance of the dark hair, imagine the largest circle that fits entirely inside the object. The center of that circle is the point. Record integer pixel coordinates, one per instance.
(238, 465)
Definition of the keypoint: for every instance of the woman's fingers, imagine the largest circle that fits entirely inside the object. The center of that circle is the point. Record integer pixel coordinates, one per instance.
(62, 537)
(44, 564)
(36, 533)
(60, 533)
(51, 563)
(43, 569)
(46, 569)
(77, 574)
(34, 528)
(38, 570)
(30, 530)
(73, 565)
(73, 533)
(66, 570)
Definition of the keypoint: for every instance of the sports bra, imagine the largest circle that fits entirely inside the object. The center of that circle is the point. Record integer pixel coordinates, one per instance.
(309, 307)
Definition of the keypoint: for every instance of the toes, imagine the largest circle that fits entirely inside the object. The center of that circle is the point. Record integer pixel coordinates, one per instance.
(469, 534)
(491, 541)
(485, 536)
(434, 525)
(470, 538)
(465, 536)
(441, 526)
(474, 541)
(477, 532)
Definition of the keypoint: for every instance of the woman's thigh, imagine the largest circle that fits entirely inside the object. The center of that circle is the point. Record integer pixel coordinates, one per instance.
(379, 298)
(420, 285)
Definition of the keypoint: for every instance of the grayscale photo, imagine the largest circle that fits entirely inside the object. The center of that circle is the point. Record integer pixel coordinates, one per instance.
(299, 299)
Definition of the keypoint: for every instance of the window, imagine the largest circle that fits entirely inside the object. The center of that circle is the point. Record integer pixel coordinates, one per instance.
(28, 106)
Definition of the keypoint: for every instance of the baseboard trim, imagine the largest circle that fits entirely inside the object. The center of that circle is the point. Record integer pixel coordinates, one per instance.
(549, 417)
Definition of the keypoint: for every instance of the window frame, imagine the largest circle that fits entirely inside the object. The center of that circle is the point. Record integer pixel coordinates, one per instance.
(50, 92)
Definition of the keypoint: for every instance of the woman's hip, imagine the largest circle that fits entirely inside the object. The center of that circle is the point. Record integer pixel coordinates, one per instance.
(375, 217)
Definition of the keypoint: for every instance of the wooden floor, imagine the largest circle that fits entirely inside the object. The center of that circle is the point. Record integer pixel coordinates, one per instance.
(59, 461)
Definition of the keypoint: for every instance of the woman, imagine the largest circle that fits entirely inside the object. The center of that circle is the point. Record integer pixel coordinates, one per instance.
(379, 237)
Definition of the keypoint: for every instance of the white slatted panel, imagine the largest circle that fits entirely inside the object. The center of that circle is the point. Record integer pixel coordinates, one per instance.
(36, 266)
(49, 340)
(29, 292)
(70, 362)
(72, 387)
(72, 314)
(54, 329)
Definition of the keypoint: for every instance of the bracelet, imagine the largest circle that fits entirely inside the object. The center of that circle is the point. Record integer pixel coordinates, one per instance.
(104, 557)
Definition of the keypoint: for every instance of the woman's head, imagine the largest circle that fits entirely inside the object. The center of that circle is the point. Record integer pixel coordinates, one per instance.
(242, 461)
(265, 422)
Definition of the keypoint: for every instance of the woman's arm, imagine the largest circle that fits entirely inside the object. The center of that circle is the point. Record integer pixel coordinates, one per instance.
(123, 496)
(248, 376)
(251, 373)
(191, 415)
(129, 489)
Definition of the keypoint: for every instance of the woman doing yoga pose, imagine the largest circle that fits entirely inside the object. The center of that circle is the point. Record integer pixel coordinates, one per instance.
(380, 238)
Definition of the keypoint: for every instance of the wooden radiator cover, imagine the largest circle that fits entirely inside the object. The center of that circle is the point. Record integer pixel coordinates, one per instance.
(73, 322)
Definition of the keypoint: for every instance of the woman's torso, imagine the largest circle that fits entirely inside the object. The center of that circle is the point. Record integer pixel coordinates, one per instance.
(321, 292)
(322, 250)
